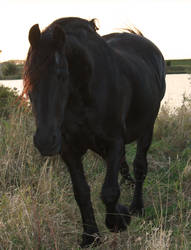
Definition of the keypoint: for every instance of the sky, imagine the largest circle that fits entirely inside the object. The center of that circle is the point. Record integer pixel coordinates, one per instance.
(167, 23)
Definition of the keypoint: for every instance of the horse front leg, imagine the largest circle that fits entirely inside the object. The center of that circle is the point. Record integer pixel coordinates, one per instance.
(82, 196)
(117, 216)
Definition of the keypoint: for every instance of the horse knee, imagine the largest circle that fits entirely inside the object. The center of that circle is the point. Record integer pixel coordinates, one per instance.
(110, 195)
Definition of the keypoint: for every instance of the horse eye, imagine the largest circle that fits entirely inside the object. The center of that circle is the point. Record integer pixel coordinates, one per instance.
(61, 74)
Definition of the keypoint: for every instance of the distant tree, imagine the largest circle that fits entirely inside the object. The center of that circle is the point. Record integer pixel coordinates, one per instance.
(168, 63)
(9, 69)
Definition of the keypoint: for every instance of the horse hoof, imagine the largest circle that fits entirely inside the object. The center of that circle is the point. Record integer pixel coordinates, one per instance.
(124, 212)
(117, 222)
(87, 240)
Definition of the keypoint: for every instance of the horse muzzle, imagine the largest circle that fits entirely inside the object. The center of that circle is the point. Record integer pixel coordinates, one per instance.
(48, 142)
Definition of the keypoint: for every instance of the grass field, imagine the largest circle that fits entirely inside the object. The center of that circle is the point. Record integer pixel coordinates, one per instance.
(178, 66)
(38, 210)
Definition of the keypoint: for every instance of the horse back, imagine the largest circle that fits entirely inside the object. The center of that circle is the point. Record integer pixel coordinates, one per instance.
(141, 59)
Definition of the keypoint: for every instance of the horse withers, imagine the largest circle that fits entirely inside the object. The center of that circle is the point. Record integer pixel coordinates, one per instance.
(98, 93)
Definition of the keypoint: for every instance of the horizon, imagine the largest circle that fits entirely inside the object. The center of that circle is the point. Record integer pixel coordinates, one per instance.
(164, 22)
(23, 60)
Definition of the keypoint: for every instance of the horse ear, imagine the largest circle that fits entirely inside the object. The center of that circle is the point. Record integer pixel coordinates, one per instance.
(34, 35)
(59, 36)
(94, 24)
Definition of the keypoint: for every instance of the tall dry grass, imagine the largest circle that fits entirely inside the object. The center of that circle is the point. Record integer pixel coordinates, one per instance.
(38, 210)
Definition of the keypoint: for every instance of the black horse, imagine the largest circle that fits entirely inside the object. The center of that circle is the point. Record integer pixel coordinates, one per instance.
(98, 93)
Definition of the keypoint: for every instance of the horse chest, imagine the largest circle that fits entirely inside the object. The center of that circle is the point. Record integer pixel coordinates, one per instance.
(75, 129)
(79, 132)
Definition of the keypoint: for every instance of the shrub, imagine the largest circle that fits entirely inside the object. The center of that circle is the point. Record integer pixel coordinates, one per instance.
(173, 128)
(9, 68)
(8, 100)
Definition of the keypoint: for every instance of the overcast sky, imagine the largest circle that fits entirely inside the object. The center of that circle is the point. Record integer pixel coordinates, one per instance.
(166, 22)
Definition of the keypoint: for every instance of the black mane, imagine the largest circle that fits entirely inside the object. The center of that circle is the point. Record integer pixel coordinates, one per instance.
(70, 24)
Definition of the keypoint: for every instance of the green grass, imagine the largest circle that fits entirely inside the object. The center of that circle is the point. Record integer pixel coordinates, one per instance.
(38, 210)
(178, 66)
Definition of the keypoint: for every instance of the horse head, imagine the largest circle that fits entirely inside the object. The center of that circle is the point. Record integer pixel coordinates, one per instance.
(47, 77)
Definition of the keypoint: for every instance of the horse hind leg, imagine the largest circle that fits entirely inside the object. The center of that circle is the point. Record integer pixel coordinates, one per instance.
(117, 215)
(140, 172)
(124, 171)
